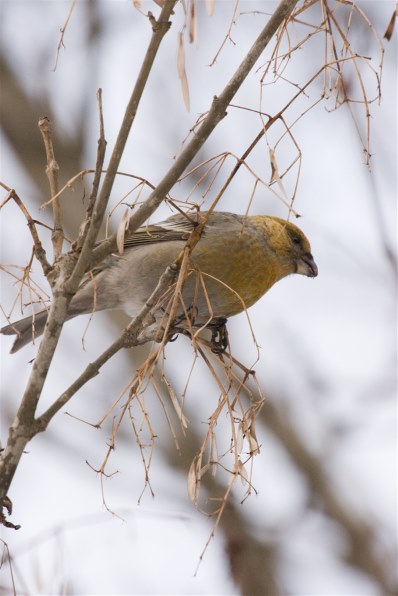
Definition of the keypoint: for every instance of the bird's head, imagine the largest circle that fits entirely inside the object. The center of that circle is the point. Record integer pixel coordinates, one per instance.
(289, 244)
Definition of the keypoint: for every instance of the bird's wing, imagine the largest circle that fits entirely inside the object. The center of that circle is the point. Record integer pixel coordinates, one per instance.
(179, 227)
(176, 227)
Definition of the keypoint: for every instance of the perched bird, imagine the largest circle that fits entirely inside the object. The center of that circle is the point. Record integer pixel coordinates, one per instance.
(237, 259)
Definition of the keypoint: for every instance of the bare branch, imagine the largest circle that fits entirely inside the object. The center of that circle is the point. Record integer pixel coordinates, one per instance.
(63, 30)
(39, 251)
(84, 228)
(52, 170)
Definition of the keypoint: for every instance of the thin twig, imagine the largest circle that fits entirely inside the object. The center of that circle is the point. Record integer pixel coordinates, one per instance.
(38, 249)
(63, 30)
(84, 228)
(83, 173)
(52, 170)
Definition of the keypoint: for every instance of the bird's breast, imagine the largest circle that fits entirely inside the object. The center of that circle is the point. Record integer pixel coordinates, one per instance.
(235, 272)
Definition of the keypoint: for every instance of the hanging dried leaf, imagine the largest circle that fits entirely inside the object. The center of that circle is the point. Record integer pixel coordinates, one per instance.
(193, 24)
(249, 432)
(210, 5)
(194, 479)
(177, 406)
(239, 438)
(121, 231)
(181, 70)
(137, 4)
(213, 454)
(254, 447)
(180, 55)
(241, 470)
(275, 172)
(391, 25)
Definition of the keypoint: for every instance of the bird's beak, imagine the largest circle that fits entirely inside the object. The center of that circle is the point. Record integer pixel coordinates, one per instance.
(307, 266)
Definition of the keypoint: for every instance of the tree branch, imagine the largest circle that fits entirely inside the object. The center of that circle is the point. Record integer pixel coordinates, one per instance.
(52, 170)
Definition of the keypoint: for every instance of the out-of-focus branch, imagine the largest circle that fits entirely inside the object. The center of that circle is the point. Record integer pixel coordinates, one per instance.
(362, 550)
(17, 107)
(252, 561)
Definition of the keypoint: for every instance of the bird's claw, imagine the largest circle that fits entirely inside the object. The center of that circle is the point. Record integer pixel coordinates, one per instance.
(219, 336)
(7, 505)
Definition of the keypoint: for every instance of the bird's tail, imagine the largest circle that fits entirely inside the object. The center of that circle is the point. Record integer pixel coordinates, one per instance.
(26, 329)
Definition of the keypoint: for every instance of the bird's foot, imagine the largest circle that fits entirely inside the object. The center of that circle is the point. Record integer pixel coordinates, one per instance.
(219, 335)
(7, 505)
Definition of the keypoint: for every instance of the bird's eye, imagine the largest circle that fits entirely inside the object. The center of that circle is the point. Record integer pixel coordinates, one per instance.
(296, 240)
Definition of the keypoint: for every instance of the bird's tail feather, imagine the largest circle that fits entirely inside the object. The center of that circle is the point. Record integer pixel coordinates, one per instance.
(26, 329)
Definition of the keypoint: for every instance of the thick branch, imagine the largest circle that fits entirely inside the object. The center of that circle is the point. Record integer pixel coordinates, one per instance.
(22, 429)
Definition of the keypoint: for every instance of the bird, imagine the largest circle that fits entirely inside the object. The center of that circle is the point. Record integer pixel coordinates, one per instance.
(237, 259)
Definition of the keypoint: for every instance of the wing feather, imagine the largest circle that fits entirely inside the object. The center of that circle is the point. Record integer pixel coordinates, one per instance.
(177, 227)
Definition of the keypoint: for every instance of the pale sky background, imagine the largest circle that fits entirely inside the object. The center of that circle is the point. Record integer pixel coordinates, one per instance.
(328, 346)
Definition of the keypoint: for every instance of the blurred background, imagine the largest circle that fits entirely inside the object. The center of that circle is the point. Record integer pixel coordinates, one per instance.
(323, 519)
